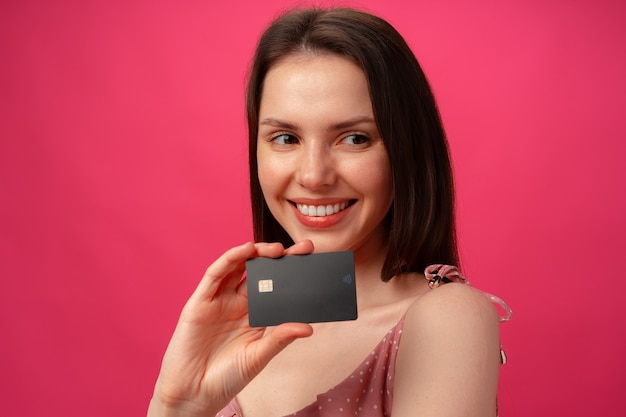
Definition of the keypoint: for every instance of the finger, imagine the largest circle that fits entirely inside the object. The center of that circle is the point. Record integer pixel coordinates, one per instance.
(300, 248)
(242, 288)
(278, 339)
(262, 249)
(288, 332)
(269, 250)
(229, 266)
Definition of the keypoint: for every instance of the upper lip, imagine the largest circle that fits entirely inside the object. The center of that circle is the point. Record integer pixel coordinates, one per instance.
(320, 201)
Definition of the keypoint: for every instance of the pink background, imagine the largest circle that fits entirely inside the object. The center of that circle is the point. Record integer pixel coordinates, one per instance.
(123, 175)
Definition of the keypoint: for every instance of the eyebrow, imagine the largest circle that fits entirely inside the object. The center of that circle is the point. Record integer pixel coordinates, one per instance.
(270, 121)
(278, 123)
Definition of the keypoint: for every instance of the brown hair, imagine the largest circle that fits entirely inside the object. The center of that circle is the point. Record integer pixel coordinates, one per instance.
(421, 219)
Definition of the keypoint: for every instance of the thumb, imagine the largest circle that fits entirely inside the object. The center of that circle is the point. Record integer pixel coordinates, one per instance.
(279, 338)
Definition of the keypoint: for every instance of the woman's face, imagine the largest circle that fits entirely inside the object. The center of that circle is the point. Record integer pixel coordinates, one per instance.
(323, 167)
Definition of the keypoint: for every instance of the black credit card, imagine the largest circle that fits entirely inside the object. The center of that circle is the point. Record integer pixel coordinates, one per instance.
(318, 287)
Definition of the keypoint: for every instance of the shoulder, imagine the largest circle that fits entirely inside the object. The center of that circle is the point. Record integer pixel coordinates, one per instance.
(449, 355)
(452, 315)
(450, 303)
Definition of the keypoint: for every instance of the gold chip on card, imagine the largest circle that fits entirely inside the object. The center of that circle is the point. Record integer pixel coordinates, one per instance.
(266, 285)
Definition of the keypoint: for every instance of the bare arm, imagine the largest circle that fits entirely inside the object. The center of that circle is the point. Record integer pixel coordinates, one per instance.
(449, 356)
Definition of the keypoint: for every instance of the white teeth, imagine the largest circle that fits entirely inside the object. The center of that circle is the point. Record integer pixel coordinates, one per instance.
(321, 211)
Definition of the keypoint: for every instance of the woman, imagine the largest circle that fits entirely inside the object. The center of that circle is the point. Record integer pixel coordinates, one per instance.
(347, 152)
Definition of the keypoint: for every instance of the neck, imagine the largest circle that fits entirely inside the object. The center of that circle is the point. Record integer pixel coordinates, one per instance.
(372, 292)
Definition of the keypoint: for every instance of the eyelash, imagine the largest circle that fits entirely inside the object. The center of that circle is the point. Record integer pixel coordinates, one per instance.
(364, 138)
(274, 138)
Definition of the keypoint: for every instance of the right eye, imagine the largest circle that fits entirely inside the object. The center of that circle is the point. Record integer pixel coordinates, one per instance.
(284, 139)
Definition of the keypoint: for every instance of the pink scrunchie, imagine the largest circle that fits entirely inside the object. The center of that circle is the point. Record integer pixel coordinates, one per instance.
(440, 273)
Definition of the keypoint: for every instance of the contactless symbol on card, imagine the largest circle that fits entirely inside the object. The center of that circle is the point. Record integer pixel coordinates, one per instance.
(266, 285)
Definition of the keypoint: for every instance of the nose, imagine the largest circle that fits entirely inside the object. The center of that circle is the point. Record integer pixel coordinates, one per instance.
(316, 167)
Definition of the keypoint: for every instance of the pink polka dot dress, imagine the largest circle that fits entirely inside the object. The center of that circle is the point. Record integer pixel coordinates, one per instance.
(368, 391)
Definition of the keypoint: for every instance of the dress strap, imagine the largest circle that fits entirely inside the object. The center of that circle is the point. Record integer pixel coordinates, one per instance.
(438, 274)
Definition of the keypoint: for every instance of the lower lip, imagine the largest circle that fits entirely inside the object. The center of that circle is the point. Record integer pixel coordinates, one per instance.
(320, 222)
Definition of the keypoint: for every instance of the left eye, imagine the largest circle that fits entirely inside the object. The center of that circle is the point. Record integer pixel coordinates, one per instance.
(284, 139)
(356, 139)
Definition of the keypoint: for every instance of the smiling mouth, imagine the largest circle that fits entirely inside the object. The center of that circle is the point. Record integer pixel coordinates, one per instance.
(323, 210)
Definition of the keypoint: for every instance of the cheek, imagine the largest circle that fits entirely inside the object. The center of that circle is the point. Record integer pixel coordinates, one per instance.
(383, 188)
(376, 179)
(265, 176)
(269, 177)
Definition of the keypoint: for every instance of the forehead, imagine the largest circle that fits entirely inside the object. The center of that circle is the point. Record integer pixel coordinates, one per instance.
(309, 83)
